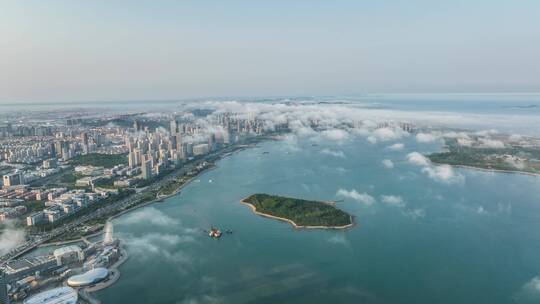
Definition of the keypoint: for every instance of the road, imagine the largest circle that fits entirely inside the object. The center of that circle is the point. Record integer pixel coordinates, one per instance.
(117, 206)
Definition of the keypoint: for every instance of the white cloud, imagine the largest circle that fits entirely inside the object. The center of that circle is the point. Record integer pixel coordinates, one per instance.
(396, 147)
(291, 142)
(149, 215)
(481, 210)
(338, 239)
(490, 143)
(388, 163)
(426, 137)
(202, 299)
(363, 198)
(386, 134)
(441, 173)
(466, 142)
(332, 116)
(333, 153)
(416, 213)
(11, 237)
(529, 292)
(486, 132)
(372, 139)
(164, 246)
(393, 200)
(515, 137)
(418, 159)
(534, 284)
(341, 169)
(444, 174)
(335, 134)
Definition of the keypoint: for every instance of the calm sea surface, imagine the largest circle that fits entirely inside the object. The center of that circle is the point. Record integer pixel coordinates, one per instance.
(476, 240)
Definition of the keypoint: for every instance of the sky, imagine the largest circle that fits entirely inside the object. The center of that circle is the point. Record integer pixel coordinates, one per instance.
(74, 51)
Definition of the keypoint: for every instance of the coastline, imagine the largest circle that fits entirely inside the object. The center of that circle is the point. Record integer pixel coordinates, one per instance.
(296, 226)
(114, 276)
(86, 293)
(491, 170)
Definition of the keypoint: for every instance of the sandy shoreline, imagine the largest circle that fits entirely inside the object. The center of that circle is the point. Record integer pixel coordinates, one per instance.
(254, 209)
(491, 170)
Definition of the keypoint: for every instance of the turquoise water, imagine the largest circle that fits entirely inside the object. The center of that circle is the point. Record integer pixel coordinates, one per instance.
(473, 241)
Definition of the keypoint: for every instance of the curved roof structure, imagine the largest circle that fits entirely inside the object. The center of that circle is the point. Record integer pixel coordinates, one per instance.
(88, 278)
(67, 249)
(61, 295)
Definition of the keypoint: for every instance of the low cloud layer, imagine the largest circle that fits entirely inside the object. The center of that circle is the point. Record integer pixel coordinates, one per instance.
(426, 137)
(363, 198)
(396, 147)
(333, 153)
(529, 292)
(149, 215)
(338, 239)
(444, 174)
(440, 173)
(11, 237)
(388, 163)
(418, 159)
(393, 200)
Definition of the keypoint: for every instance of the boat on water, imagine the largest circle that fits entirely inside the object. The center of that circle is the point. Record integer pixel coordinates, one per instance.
(214, 233)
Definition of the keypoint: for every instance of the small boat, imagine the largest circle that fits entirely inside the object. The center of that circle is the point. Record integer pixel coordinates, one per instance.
(214, 233)
(228, 231)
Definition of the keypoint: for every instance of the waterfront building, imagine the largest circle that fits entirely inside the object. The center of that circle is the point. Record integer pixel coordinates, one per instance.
(69, 254)
(61, 295)
(23, 267)
(200, 149)
(90, 277)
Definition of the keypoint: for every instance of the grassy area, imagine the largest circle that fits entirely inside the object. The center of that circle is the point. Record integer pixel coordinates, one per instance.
(173, 185)
(100, 160)
(302, 212)
(34, 206)
(489, 158)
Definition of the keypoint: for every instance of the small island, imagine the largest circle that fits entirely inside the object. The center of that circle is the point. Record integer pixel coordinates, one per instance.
(298, 212)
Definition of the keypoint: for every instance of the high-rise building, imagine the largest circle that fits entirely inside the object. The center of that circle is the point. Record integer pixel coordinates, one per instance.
(4, 299)
(146, 167)
(12, 179)
(84, 136)
(178, 141)
(131, 160)
(200, 149)
(174, 127)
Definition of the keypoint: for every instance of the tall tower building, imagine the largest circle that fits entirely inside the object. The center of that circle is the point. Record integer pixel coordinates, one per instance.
(174, 126)
(146, 167)
(178, 141)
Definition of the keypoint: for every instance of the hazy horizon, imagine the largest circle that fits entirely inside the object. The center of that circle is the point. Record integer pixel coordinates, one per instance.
(64, 51)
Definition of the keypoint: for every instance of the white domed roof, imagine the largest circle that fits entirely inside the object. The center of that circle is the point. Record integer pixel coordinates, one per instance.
(90, 277)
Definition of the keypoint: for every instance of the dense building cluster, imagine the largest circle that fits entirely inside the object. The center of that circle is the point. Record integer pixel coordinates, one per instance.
(65, 166)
